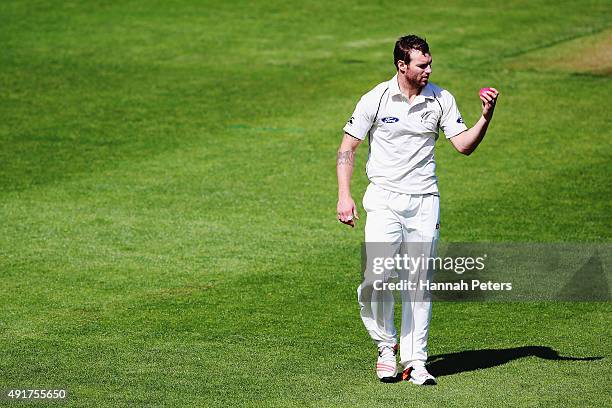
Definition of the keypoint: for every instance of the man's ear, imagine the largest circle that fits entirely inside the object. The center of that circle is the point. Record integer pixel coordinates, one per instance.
(401, 66)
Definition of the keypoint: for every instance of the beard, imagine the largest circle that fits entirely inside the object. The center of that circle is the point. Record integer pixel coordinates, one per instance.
(418, 83)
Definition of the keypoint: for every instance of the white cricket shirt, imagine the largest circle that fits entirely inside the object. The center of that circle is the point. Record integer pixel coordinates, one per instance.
(402, 135)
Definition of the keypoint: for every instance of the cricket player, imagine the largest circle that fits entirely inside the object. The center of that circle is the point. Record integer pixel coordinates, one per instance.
(401, 118)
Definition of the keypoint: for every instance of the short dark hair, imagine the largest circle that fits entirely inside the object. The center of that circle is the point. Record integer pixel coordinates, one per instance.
(403, 46)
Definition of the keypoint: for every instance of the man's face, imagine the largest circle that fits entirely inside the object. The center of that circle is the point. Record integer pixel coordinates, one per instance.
(418, 70)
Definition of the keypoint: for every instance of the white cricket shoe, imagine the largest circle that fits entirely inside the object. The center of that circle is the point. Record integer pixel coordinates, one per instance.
(386, 366)
(418, 375)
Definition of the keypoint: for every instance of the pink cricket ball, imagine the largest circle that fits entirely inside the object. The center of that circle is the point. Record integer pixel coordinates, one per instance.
(483, 90)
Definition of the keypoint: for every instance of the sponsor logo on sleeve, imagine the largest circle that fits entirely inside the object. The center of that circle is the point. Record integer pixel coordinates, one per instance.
(389, 119)
(350, 121)
(459, 119)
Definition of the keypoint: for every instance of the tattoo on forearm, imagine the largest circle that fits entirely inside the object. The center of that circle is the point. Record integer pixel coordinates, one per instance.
(345, 158)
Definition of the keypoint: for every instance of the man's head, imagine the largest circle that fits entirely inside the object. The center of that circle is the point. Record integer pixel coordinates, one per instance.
(412, 60)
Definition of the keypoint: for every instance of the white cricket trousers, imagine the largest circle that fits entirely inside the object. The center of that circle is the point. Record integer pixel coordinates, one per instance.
(396, 218)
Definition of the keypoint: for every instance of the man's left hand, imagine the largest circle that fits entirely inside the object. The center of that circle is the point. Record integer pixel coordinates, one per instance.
(489, 99)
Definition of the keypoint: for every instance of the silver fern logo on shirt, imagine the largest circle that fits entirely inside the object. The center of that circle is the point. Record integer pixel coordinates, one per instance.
(426, 117)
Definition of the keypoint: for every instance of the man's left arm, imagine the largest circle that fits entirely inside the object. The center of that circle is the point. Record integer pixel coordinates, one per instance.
(467, 141)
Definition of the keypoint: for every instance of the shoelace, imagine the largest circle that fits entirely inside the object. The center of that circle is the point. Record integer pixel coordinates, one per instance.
(385, 351)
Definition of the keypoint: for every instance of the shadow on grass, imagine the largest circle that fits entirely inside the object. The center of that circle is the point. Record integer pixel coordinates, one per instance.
(470, 360)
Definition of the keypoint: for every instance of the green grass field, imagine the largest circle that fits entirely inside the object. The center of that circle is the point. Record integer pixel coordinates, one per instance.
(168, 192)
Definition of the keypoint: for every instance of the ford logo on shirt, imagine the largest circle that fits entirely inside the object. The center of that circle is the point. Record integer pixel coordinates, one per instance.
(390, 119)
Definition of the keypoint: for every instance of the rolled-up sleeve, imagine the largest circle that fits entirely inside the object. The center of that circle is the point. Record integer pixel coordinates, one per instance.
(452, 122)
(360, 122)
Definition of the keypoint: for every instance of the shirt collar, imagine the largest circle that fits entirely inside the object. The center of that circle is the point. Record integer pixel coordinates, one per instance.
(394, 89)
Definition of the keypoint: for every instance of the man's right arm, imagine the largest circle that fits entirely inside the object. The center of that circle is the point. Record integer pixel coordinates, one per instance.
(346, 209)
